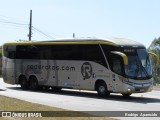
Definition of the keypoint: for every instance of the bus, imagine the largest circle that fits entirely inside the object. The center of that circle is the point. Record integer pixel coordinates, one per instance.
(110, 65)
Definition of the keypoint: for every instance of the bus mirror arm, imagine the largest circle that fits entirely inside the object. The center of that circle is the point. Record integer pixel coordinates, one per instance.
(124, 56)
(156, 56)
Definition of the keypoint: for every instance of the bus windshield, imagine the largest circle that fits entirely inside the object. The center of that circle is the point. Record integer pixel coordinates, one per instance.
(139, 65)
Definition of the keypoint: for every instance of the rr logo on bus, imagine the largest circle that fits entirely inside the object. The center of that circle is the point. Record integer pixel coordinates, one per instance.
(86, 70)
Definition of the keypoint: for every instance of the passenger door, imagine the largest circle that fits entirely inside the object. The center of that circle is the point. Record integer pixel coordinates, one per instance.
(117, 72)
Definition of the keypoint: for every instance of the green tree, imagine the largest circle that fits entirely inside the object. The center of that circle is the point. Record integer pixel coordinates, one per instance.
(155, 47)
(0, 60)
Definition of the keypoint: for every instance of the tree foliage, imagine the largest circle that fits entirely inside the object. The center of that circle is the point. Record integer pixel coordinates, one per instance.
(155, 47)
(0, 60)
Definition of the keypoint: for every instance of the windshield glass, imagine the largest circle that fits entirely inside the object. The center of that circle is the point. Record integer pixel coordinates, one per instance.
(139, 65)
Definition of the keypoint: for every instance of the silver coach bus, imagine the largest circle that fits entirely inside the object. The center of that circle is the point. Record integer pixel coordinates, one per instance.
(107, 66)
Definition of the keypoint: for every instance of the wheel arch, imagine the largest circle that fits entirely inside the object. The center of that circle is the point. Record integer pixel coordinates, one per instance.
(31, 76)
(97, 83)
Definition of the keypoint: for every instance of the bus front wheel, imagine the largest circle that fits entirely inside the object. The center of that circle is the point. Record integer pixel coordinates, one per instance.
(102, 90)
(126, 95)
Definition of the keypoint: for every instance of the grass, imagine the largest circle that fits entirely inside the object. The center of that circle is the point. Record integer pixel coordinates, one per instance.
(12, 104)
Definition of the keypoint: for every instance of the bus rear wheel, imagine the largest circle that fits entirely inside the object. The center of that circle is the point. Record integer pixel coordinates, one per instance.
(24, 83)
(102, 90)
(33, 84)
(126, 94)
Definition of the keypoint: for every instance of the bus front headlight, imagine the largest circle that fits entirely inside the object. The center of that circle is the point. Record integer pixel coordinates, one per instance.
(129, 90)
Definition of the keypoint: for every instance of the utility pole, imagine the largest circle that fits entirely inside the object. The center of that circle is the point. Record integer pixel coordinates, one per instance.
(30, 26)
(73, 35)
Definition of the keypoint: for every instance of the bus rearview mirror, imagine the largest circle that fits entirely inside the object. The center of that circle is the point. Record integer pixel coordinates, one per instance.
(125, 58)
(156, 56)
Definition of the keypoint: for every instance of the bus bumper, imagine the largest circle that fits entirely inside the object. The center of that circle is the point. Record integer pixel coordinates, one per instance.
(137, 89)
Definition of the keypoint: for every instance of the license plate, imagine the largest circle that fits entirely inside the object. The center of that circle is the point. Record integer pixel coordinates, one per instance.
(141, 90)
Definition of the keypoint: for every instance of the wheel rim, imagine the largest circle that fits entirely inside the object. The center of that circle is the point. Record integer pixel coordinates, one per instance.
(102, 89)
(23, 82)
(33, 84)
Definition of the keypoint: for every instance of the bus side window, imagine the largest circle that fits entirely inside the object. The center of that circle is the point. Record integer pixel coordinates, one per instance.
(94, 53)
(9, 51)
(117, 66)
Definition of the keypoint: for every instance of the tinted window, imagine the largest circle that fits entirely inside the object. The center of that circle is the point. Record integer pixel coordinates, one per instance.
(28, 52)
(78, 52)
(117, 66)
(9, 51)
(61, 52)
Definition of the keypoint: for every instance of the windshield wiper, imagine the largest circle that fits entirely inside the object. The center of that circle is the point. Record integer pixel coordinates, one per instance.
(137, 70)
(143, 68)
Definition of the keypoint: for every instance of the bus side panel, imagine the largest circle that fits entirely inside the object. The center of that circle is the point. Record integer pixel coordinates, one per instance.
(85, 75)
(79, 74)
(117, 84)
(91, 72)
(48, 75)
(102, 73)
(67, 73)
(43, 70)
(82, 74)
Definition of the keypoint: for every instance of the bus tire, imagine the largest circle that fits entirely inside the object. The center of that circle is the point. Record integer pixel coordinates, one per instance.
(33, 83)
(126, 95)
(102, 90)
(23, 83)
(56, 89)
(44, 87)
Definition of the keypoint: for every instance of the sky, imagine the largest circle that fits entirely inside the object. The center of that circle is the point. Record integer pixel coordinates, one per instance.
(133, 19)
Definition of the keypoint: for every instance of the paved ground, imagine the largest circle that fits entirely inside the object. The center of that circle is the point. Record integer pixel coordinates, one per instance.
(2, 85)
(85, 101)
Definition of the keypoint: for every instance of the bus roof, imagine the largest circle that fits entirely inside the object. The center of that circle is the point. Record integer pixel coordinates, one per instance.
(125, 42)
(108, 41)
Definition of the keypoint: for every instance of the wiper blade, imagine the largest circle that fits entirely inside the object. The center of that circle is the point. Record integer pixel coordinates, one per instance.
(145, 71)
(137, 70)
(143, 68)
